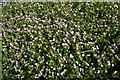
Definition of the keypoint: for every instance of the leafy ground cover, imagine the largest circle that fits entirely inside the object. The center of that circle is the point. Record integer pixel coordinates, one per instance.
(60, 41)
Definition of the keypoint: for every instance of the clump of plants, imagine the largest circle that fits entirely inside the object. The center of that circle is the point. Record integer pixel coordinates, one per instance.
(61, 41)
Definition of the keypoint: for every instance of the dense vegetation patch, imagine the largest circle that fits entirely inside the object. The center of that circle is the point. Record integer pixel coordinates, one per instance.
(60, 41)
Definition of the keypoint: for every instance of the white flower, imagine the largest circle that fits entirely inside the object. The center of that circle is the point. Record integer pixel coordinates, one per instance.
(97, 47)
(84, 38)
(81, 70)
(36, 38)
(115, 72)
(31, 59)
(12, 61)
(71, 56)
(64, 44)
(93, 48)
(93, 69)
(81, 42)
(112, 65)
(74, 38)
(88, 54)
(53, 39)
(16, 63)
(98, 71)
(104, 34)
(61, 64)
(33, 52)
(39, 75)
(18, 75)
(60, 54)
(77, 62)
(57, 74)
(63, 72)
(64, 58)
(36, 64)
(101, 65)
(52, 73)
(79, 73)
(98, 60)
(78, 53)
(22, 77)
(25, 56)
(112, 51)
(66, 25)
(91, 63)
(36, 76)
(83, 55)
(119, 59)
(84, 32)
(72, 32)
(77, 33)
(116, 6)
(11, 44)
(32, 36)
(53, 47)
(109, 63)
(59, 60)
(74, 65)
(54, 68)
(42, 57)
(87, 64)
(58, 50)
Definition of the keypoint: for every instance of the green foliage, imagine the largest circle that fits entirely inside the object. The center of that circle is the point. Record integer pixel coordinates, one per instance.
(66, 41)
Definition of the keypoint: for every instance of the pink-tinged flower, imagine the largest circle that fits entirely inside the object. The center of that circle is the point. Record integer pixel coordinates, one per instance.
(22, 77)
(16, 55)
(16, 63)
(82, 70)
(18, 29)
(74, 65)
